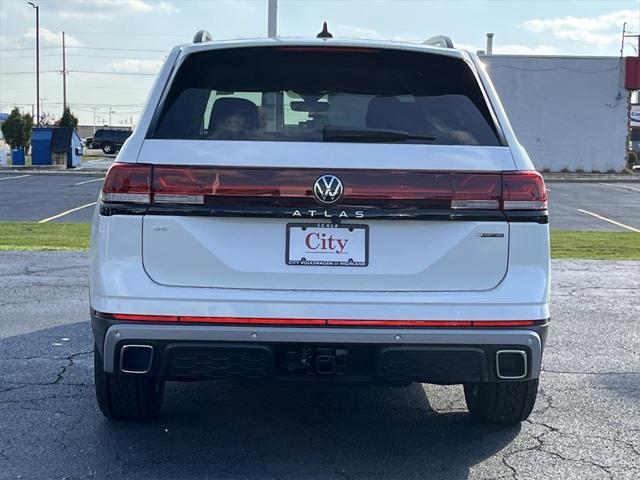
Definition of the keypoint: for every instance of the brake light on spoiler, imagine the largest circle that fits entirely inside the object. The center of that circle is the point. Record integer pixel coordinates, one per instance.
(193, 185)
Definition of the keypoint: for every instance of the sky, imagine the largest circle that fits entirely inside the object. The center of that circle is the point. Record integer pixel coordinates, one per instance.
(115, 47)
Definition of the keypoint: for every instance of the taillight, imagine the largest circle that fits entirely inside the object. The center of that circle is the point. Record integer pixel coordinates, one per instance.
(523, 191)
(174, 184)
(476, 191)
(127, 183)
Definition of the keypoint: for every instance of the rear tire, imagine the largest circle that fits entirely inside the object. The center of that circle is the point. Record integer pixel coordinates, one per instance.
(108, 148)
(501, 402)
(126, 396)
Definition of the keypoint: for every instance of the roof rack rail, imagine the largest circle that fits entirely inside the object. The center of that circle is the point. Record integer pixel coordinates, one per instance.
(439, 41)
(202, 36)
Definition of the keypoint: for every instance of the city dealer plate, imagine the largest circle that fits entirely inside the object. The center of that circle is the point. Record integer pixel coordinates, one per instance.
(327, 245)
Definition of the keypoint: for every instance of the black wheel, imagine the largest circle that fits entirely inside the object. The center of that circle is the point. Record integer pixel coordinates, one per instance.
(126, 397)
(108, 148)
(501, 402)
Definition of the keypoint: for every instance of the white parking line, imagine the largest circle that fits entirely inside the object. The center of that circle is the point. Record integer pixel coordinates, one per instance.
(609, 220)
(11, 178)
(89, 181)
(635, 189)
(67, 212)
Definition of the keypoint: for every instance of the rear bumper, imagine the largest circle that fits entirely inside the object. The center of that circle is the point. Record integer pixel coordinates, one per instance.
(379, 355)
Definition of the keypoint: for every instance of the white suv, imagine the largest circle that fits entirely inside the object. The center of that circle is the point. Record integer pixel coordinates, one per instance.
(321, 209)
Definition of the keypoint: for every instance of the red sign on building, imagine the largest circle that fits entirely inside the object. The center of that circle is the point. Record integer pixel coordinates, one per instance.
(632, 73)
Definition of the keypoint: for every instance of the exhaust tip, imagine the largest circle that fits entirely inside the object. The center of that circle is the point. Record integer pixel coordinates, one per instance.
(511, 364)
(136, 358)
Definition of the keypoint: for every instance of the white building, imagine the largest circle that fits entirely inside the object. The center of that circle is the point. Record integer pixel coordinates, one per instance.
(570, 113)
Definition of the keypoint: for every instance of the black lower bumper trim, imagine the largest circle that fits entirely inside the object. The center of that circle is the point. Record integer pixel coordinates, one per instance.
(380, 364)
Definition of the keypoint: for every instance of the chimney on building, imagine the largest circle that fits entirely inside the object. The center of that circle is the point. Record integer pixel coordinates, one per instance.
(489, 43)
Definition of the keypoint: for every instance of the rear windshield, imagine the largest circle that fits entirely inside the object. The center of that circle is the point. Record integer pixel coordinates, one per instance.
(326, 94)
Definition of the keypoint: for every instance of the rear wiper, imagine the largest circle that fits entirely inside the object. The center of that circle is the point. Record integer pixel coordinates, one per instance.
(339, 134)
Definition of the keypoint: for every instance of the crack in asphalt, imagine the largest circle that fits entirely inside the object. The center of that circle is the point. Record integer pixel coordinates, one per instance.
(59, 376)
(548, 449)
(540, 447)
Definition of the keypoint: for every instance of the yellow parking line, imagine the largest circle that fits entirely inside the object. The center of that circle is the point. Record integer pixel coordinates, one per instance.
(67, 212)
(609, 220)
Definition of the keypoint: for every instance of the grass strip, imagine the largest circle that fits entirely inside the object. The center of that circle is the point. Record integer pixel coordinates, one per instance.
(44, 236)
(595, 245)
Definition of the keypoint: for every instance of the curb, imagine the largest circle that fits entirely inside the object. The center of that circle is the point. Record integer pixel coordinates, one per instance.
(54, 171)
(593, 178)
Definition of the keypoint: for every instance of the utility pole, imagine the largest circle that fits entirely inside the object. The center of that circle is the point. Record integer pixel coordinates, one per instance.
(37, 62)
(110, 112)
(64, 77)
(272, 21)
(94, 120)
(626, 35)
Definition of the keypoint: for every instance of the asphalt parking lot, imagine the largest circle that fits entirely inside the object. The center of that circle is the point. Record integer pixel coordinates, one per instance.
(70, 197)
(586, 423)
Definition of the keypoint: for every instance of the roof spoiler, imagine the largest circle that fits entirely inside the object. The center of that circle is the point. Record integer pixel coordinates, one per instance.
(439, 41)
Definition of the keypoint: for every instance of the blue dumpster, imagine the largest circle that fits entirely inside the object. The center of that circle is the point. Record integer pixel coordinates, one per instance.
(17, 156)
(66, 147)
(41, 146)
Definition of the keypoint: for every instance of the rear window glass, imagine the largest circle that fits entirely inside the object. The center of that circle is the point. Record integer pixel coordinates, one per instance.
(330, 94)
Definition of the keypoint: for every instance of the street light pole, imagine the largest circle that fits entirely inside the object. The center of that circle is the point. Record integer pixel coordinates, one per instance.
(37, 61)
(64, 77)
(272, 19)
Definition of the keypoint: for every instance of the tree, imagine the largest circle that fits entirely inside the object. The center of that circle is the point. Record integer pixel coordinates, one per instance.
(16, 129)
(68, 119)
(27, 127)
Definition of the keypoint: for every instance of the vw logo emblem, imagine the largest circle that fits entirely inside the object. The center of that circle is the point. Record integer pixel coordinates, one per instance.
(328, 189)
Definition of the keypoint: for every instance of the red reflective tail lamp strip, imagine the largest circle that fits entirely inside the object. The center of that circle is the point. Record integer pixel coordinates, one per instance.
(343, 323)
(253, 321)
(173, 184)
(146, 318)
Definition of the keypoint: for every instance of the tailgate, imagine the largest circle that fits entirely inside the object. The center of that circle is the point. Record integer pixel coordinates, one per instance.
(244, 233)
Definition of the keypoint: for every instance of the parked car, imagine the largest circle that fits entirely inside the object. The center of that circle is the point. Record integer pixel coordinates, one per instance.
(109, 140)
(314, 221)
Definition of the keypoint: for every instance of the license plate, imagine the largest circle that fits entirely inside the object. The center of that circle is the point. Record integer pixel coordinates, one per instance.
(327, 245)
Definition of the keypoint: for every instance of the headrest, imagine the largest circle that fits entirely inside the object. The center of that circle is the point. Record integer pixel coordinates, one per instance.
(225, 108)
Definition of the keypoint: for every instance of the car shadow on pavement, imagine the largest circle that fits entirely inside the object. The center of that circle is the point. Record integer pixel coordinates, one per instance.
(227, 429)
